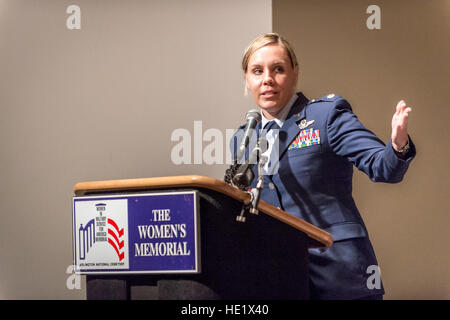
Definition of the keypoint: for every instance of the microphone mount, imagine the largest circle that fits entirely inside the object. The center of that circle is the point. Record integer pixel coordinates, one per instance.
(255, 193)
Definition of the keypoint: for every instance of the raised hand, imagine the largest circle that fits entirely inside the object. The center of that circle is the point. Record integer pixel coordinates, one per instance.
(399, 134)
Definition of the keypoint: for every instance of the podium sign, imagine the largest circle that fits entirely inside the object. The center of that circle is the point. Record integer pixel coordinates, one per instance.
(136, 233)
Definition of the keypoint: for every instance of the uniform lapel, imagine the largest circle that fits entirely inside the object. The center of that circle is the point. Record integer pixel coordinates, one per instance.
(290, 127)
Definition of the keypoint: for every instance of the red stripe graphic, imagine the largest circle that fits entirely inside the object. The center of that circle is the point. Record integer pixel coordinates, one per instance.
(120, 232)
(120, 255)
(117, 245)
(120, 243)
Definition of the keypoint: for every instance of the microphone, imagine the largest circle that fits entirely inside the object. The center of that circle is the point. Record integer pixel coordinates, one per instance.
(253, 117)
(243, 175)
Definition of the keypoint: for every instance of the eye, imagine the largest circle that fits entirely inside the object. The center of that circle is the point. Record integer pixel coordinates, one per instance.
(279, 69)
(257, 71)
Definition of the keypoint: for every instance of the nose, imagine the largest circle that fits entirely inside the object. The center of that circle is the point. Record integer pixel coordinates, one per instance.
(268, 79)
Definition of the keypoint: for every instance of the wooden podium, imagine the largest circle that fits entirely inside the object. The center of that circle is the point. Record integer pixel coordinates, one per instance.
(264, 257)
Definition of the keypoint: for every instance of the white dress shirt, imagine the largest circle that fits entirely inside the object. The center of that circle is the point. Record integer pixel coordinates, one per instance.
(271, 166)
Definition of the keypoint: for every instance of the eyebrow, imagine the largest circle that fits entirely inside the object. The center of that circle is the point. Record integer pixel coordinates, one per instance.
(280, 62)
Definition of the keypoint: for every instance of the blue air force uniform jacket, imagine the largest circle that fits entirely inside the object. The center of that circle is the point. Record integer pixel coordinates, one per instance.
(314, 183)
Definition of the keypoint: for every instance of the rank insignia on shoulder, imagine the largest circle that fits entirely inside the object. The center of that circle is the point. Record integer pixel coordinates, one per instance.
(306, 138)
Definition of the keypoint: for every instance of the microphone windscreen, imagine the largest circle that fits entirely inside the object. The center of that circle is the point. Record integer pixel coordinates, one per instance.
(254, 113)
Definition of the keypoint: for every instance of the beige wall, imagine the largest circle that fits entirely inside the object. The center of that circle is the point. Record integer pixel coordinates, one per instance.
(374, 69)
(101, 103)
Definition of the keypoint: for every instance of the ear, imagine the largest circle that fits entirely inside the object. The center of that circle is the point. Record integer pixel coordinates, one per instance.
(245, 85)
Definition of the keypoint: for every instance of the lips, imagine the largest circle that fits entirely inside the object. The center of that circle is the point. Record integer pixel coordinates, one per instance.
(268, 93)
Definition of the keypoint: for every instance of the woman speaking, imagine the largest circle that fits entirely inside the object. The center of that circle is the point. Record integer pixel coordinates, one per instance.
(319, 141)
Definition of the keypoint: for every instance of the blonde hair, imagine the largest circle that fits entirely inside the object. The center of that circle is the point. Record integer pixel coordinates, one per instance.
(264, 40)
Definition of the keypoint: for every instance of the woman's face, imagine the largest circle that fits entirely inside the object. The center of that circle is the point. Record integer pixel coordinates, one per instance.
(271, 78)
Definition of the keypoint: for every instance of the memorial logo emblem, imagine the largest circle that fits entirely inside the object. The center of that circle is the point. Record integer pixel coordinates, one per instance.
(94, 231)
(102, 239)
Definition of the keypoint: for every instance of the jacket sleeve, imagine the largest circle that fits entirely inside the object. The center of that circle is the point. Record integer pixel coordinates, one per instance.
(350, 139)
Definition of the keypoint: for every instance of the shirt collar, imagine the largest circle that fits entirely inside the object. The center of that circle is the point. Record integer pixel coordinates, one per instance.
(281, 117)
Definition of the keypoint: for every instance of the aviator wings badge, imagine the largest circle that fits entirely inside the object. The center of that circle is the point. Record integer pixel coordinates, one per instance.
(304, 124)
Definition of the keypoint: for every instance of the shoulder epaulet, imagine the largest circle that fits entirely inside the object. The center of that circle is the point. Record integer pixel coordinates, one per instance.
(329, 97)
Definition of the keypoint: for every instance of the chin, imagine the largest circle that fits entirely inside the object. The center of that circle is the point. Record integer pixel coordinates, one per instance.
(269, 105)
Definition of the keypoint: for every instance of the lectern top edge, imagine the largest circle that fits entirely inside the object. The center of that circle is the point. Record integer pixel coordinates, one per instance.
(323, 238)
